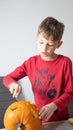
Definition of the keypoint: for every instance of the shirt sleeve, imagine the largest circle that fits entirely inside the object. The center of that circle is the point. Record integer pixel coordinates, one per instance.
(63, 101)
(18, 73)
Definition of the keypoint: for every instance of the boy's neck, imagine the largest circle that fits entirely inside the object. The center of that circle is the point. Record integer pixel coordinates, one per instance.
(50, 58)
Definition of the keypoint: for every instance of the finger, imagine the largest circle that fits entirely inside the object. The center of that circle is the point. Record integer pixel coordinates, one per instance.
(42, 113)
(12, 87)
(17, 91)
(11, 90)
(46, 117)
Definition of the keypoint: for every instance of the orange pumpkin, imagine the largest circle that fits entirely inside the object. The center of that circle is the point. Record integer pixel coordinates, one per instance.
(23, 112)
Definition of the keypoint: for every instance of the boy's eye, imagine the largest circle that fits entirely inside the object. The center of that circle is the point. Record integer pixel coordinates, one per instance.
(41, 42)
(50, 45)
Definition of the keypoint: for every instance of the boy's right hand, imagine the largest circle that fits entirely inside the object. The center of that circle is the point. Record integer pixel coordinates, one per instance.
(15, 89)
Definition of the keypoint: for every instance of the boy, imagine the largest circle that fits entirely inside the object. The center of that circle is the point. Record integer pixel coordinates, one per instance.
(50, 74)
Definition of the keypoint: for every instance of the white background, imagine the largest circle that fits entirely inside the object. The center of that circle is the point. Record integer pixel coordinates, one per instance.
(19, 20)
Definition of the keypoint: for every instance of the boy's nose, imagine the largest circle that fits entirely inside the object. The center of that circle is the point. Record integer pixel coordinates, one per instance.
(45, 48)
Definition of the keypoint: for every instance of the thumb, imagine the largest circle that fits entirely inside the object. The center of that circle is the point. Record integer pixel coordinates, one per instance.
(11, 90)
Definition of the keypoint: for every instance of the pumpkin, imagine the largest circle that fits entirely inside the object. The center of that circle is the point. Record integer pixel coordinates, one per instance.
(22, 112)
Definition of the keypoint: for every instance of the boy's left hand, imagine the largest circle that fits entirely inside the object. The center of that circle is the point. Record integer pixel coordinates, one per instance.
(47, 111)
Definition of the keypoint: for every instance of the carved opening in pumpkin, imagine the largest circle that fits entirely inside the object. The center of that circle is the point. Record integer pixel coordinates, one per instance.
(33, 113)
(13, 108)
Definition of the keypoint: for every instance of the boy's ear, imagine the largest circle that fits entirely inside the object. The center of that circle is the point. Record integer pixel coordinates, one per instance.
(59, 44)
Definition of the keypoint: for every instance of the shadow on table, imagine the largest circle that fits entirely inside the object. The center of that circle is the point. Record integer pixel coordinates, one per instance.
(58, 125)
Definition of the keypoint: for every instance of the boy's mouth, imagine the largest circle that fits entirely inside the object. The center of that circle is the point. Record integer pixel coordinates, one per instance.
(44, 53)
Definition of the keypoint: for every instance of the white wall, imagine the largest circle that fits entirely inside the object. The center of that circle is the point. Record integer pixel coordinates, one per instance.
(19, 20)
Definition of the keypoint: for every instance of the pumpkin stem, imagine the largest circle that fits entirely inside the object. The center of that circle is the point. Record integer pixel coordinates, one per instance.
(21, 127)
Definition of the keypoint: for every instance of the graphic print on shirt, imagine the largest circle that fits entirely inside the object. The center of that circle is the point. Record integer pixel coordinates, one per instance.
(44, 83)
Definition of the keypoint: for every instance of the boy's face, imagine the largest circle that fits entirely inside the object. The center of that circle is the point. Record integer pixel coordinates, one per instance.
(47, 47)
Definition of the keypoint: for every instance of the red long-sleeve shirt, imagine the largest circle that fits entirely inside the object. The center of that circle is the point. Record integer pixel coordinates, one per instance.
(51, 82)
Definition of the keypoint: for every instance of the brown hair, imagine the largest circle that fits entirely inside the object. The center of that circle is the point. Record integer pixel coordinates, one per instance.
(51, 27)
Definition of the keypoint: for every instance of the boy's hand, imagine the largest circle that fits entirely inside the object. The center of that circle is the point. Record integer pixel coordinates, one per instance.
(15, 89)
(47, 111)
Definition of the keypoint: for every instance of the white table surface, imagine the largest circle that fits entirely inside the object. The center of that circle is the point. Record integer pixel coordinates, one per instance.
(2, 129)
(58, 125)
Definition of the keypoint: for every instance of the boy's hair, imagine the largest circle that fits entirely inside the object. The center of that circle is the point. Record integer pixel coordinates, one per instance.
(51, 27)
